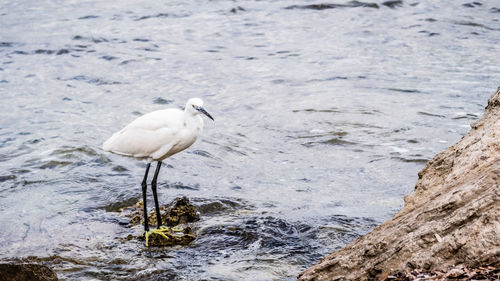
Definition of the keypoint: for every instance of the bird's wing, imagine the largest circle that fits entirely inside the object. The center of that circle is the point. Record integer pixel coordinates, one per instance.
(147, 135)
(140, 143)
(166, 118)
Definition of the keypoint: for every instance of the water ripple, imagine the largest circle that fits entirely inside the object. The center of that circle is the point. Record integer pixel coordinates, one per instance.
(325, 112)
(350, 4)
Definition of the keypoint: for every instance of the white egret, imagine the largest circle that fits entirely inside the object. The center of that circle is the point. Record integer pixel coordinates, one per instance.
(156, 136)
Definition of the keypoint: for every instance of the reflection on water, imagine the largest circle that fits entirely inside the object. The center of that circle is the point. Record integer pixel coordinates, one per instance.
(325, 112)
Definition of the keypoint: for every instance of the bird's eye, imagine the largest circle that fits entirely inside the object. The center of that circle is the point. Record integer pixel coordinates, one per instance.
(194, 106)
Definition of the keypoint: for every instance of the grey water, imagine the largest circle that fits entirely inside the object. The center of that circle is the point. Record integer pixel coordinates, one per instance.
(324, 111)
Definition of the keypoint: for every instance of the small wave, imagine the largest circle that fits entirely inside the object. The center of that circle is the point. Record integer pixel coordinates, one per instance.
(273, 235)
(203, 153)
(233, 150)
(180, 185)
(333, 110)
(474, 24)
(321, 133)
(69, 150)
(411, 160)
(236, 10)
(393, 4)
(125, 62)
(333, 78)
(93, 80)
(118, 206)
(331, 141)
(7, 44)
(119, 168)
(7, 178)
(325, 6)
(337, 141)
(50, 52)
(160, 100)
(88, 17)
(54, 164)
(472, 5)
(403, 90)
(430, 114)
(470, 116)
(90, 39)
(18, 52)
(67, 156)
(162, 15)
(109, 58)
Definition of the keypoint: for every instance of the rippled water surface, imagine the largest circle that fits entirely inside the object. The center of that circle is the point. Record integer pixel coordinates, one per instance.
(324, 113)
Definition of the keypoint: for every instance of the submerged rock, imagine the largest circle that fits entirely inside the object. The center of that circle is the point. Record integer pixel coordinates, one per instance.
(452, 218)
(26, 272)
(175, 216)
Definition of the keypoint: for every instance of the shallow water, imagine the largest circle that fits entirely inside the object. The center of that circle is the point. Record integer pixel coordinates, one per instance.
(324, 113)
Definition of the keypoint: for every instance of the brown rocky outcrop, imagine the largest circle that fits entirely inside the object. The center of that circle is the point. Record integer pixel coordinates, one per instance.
(452, 217)
(26, 272)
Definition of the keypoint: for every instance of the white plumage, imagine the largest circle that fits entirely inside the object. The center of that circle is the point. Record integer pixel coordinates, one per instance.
(156, 136)
(159, 134)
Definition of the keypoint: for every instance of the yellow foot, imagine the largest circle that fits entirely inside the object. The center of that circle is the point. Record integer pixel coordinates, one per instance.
(160, 231)
(175, 229)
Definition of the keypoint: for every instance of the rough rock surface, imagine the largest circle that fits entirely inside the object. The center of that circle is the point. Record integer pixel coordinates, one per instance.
(452, 217)
(26, 272)
(180, 211)
(459, 272)
(176, 216)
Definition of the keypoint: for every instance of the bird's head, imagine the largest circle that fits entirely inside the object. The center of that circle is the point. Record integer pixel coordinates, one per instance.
(195, 106)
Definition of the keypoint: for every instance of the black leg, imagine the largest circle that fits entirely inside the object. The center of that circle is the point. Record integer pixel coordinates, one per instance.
(144, 189)
(153, 187)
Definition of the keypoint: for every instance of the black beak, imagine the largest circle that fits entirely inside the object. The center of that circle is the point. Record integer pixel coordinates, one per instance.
(202, 110)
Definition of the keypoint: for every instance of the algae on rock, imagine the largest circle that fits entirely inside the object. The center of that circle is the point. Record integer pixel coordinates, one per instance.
(176, 216)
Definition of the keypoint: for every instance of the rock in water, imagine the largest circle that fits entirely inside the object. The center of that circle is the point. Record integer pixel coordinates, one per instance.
(181, 212)
(174, 237)
(26, 272)
(452, 217)
(176, 216)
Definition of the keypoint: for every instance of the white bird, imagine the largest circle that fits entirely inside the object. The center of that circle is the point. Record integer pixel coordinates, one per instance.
(156, 136)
